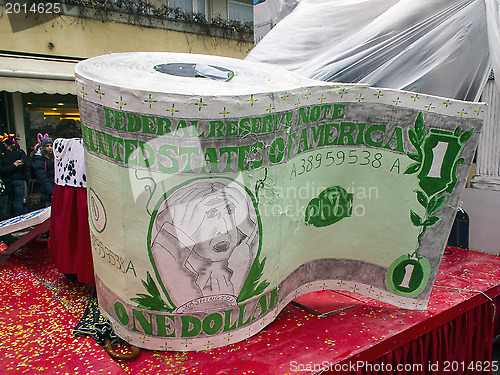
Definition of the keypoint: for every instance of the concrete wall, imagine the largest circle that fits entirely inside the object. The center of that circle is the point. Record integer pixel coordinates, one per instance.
(483, 208)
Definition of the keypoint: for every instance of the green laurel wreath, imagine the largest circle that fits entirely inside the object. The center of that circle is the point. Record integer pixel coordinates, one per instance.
(417, 136)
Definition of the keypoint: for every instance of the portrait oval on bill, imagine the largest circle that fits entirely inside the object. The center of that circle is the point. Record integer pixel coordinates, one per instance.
(204, 240)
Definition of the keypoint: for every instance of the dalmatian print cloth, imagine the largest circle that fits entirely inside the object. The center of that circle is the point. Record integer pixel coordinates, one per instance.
(69, 162)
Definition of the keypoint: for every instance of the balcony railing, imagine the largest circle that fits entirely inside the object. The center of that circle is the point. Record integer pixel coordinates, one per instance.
(144, 13)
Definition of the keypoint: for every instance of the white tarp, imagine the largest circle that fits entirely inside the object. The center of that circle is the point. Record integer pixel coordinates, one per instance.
(437, 47)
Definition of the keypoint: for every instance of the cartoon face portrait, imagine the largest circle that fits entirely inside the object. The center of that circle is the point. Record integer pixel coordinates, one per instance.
(216, 230)
(204, 240)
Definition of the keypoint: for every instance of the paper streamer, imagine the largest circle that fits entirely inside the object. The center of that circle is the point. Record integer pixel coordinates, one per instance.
(220, 190)
(24, 221)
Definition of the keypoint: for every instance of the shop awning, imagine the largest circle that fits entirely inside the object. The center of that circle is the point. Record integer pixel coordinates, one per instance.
(37, 75)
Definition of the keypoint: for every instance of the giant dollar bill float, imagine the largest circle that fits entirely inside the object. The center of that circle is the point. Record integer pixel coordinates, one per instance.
(219, 190)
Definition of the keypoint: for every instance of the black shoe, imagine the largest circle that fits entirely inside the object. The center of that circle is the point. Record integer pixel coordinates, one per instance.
(71, 276)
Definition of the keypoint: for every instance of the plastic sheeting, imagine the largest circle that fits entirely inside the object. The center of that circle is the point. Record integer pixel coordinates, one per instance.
(268, 13)
(437, 47)
(493, 25)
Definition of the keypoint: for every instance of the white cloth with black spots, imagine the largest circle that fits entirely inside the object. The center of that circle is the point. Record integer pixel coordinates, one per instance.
(69, 162)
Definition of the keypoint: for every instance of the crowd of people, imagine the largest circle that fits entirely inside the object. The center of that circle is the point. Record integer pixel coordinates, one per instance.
(22, 175)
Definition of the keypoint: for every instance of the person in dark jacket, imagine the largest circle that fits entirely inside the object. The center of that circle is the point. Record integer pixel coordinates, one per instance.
(43, 165)
(5, 175)
(17, 164)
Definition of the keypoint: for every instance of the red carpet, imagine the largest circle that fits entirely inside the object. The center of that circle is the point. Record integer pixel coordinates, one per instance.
(35, 334)
(40, 307)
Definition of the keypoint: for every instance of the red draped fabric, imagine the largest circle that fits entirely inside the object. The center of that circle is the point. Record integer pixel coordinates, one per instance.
(460, 346)
(69, 233)
(496, 322)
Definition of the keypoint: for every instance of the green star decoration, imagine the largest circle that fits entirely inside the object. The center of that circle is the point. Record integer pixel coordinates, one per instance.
(224, 112)
(415, 97)
(397, 101)
(149, 101)
(321, 99)
(200, 104)
(429, 107)
(447, 103)
(462, 112)
(99, 92)
(121, 103)
(479, 111)
(82, 91)
(252, 100)
(270, 108)
(172, 110)
(209, 345)
(360, 98)
(379, 94)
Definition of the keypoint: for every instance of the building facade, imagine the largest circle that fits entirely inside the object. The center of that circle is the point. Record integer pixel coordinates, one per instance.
(41, 42)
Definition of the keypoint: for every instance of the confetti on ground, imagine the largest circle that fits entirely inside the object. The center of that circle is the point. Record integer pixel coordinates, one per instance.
(40, 306)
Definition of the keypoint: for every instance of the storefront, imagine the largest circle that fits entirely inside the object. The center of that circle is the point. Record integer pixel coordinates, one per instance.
(38, 95)
(53, 114)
